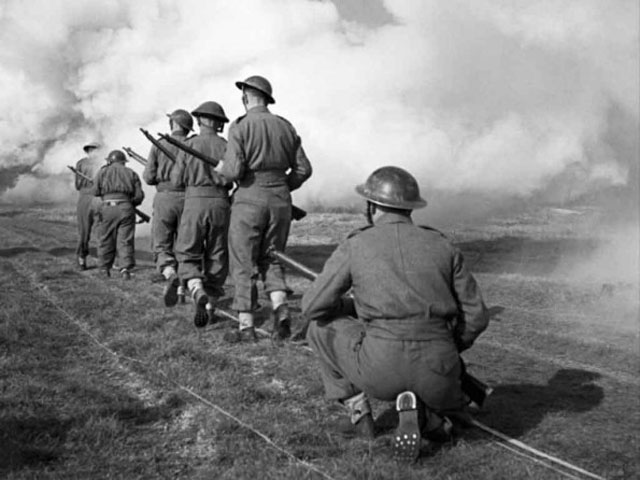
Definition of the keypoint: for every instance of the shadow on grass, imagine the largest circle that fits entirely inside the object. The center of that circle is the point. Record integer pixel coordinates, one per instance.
(15, 251)
(33, 441)
(30, 441)
(141, 255)
(518, 408)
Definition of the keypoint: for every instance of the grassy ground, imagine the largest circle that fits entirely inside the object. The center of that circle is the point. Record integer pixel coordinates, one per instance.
(98, 380)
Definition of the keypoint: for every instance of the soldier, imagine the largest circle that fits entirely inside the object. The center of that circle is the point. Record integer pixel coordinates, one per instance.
(121, 192)
(169, 200)
(266, 159)
(201, 247)
(409, 286)
(86, 201)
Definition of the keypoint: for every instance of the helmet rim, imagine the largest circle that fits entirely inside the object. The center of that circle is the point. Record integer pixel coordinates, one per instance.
(402, 190)
(264, 89)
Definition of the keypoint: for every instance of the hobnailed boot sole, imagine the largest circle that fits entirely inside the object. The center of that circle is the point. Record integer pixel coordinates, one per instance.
(406, 439)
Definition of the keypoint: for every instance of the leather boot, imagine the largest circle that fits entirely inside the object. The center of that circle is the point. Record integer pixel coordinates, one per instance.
(246, 335)
(360, 419)
(281, 323)
(406, 439)
(364, 428)
(170, 292)
(200, 299)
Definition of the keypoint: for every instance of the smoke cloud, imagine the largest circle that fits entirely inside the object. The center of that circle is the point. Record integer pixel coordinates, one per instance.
(498, 98)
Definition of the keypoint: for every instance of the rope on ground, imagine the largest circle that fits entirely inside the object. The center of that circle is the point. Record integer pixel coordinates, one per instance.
(53, 301)
(533, 459)
(538, 453)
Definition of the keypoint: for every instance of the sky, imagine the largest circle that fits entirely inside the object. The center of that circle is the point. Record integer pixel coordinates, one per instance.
(504, 100)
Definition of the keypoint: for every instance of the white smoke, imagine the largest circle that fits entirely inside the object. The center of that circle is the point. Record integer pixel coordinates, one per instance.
(494, 97)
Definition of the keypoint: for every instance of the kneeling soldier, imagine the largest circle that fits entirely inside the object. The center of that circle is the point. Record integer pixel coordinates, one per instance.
(121, 192)
(409, 286)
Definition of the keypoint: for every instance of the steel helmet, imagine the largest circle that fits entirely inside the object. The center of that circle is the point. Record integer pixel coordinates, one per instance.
(90, 145)
(116, 156)
(392, 187)
(258, 83)
(182, 118)
(212, 110)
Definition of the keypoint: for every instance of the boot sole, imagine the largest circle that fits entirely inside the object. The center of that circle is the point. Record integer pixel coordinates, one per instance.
(406, 439)
(170, 294)
(281, 331)
(201, 317)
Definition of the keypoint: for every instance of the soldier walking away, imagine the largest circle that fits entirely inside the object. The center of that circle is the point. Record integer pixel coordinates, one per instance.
(201, 247)
(169, 200)
(86, 209)
(121, 191)
(415, 306)
(266, 159)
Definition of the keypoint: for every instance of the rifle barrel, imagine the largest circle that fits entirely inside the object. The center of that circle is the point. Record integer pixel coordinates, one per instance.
(186, 148)
(306, 272)
(80, 174)
(158, 145)
(136, 156)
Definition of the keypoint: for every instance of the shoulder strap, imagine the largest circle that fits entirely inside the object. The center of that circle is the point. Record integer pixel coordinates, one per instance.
(359, 230)
(426, 227)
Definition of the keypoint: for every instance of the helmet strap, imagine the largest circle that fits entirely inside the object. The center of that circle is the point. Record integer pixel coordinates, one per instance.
(245, 100)
(370, 211)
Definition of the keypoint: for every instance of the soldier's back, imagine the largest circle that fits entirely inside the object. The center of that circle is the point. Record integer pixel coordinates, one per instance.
(117, 178)
(400, 270)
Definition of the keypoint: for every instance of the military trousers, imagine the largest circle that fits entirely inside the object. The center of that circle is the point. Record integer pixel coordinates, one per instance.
(352, 360)
(86, 210)
(117, 235)
(256, 225)
(201, 247)
(167, 210)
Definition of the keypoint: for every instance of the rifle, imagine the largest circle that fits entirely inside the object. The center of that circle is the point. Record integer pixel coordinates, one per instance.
(137, 157)
(296, 212)
(476, 390)
(144, 218)
(186, 148)
(158, 145)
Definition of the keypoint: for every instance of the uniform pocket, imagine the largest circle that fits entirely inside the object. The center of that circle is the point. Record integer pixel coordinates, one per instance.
(443, 359)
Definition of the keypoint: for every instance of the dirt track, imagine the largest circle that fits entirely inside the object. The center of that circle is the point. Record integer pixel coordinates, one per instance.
(559, 385)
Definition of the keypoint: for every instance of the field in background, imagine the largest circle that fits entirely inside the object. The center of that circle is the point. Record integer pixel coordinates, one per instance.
(98, 380)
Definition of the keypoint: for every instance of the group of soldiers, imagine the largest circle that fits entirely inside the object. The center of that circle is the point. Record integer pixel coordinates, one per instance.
(387, 317)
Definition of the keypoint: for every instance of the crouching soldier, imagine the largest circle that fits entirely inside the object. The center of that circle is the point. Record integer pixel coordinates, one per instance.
(409, 285)
(121, 191)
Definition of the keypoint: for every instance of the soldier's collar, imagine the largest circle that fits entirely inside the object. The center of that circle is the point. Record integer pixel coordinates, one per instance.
(258, 109)
(389, 217)
(205, 129)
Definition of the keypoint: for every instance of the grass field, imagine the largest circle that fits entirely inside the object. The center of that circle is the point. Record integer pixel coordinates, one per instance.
(99, 380)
